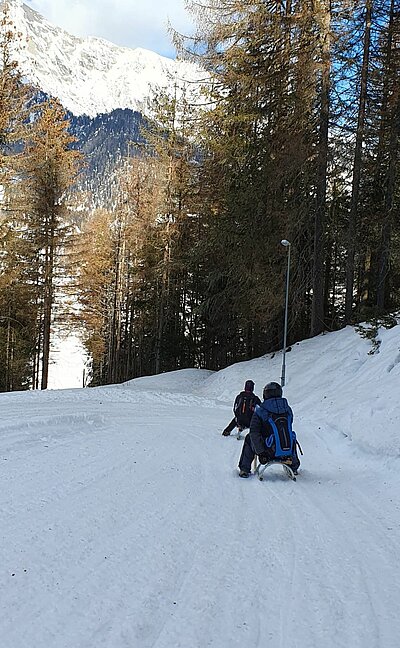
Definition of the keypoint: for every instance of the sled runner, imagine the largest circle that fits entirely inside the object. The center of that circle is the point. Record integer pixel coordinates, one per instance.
(260, 470)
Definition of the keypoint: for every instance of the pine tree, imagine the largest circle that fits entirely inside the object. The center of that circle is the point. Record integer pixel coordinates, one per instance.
(323, 21)
(357, 163)
(390, 140)
(173, 147)
(17, 293)
(52, 166)
(260, 138)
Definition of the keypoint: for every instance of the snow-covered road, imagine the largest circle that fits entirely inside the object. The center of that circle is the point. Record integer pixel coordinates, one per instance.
(124, 524)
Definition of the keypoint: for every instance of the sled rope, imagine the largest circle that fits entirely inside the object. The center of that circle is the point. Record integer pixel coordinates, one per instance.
(299, 447)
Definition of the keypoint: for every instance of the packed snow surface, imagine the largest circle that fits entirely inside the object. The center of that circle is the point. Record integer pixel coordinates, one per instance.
(124, 523)
(92, 75)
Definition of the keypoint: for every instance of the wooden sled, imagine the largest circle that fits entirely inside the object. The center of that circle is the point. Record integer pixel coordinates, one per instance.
(261, 468)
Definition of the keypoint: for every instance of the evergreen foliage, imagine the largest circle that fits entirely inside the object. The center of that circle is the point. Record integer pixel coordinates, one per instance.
(37, 167)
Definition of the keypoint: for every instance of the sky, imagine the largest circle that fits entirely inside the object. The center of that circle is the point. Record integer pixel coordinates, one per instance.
(130, 23)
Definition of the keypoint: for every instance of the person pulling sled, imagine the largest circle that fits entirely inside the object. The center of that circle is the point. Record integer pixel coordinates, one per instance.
(271, 437)
(243, 409)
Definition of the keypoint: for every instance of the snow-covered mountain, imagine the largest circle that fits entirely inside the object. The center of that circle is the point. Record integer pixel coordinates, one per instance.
(91, 75)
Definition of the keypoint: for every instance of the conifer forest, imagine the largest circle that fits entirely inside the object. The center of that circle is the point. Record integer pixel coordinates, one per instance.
(295, 136)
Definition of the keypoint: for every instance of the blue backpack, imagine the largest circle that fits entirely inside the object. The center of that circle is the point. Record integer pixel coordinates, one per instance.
(282, 440)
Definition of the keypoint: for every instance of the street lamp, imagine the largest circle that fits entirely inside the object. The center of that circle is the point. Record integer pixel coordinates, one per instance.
(286, 244)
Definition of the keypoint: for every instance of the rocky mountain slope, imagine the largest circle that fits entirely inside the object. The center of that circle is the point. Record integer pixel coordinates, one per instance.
(91, 75)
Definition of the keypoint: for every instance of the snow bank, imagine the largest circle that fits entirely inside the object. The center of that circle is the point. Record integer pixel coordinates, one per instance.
(339, 382)
(333, 381)
(182, 381)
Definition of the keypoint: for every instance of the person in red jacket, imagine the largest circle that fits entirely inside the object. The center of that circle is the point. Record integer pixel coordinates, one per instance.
(243, 408)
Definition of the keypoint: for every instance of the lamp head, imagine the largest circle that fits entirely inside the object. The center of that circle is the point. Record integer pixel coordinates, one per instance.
(285, 243)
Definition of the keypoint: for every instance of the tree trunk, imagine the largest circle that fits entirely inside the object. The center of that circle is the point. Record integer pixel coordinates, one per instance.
(317, 312)
(8, 354)
(355, 188)
(163, 300)
(48, 301)
(394, 125)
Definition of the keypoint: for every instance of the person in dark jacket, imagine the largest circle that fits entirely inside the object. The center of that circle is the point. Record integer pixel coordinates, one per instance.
(260, 430)
(243, 408)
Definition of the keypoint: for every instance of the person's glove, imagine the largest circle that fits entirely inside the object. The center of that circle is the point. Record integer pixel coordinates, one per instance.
(263, 458)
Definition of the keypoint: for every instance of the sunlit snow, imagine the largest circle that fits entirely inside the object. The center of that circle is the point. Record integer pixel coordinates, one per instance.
(124, 522)
(67, 362)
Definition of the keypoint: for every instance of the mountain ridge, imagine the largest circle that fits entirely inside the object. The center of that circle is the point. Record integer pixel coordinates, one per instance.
(91, 75)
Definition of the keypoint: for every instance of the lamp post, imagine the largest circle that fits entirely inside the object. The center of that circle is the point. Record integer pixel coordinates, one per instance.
(286, 244)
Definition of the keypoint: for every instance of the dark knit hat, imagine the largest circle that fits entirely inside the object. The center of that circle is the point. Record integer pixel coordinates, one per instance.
(249, 386)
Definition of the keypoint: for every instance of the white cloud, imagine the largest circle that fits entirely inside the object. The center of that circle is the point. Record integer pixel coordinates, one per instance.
(132, 23)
